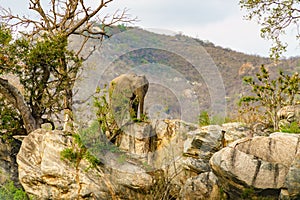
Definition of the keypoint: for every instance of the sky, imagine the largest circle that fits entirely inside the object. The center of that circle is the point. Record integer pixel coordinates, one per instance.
(218, 21)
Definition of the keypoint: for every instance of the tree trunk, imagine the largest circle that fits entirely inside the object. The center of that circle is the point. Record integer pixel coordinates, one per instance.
(68, 112)
(68, 78)
(14, 96)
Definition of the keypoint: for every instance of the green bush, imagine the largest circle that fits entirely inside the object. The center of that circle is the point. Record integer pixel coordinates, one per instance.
(204, 119)
(95, 140)
(291, 128)
(9, 191)
(78, 152)
(10, 123)
(105, 118)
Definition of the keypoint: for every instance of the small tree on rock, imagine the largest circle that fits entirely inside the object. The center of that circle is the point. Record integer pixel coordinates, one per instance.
(269, 95)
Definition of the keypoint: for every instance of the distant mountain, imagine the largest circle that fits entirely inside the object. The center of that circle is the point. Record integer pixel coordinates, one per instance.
(183, 71)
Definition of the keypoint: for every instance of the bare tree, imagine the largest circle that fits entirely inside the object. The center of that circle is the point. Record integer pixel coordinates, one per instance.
(55, 71)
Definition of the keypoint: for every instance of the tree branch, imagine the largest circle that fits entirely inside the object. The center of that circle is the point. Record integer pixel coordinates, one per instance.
(15, 98)
(88, 15)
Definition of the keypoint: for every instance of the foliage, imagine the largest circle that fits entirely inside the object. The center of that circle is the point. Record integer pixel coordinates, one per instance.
(9, 191)
(10, 120)
(268, 96)
(76, 154)
(249, 111)
(291, 128)
(5, 37)
(37, 68)
(101, 135)
(204, 119)
(122, 27)
(247, 193)
(96, 142)
(79, 152)
(108, 125)
(275, 17)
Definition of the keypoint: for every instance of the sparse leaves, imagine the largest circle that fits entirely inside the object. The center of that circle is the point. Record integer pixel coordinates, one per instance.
(204, 119)
(274, 17)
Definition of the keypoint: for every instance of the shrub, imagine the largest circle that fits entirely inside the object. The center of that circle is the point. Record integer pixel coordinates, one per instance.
(268, 96)
(291, 128)
(9, 191)
(204, 119)
(107, 123)
(78, 152)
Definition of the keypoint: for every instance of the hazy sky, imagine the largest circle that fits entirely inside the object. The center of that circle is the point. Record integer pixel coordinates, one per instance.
(219, 21)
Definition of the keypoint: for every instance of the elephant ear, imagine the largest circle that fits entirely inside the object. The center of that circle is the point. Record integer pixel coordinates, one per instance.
(124, 86)
(140, 82)
(127, 91)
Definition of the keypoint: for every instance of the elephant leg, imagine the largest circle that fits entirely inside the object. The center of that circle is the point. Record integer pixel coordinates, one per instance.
(134, 109)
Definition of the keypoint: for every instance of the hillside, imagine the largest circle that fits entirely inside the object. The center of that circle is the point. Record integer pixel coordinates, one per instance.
(186, 75)
(236, 65)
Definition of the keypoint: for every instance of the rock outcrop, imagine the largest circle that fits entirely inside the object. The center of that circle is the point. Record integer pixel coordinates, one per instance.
(165, 159)
(157, 157)
(260, 166)
(44, 174)
(203, 186)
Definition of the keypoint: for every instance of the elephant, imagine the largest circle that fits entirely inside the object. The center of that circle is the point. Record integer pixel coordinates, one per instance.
(127, 93)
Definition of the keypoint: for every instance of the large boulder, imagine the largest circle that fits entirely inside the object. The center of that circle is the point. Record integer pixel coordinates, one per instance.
(181, 150)
(44, 174)
(136, 138)
(170, 136)
(200, 145)
(260, 166)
